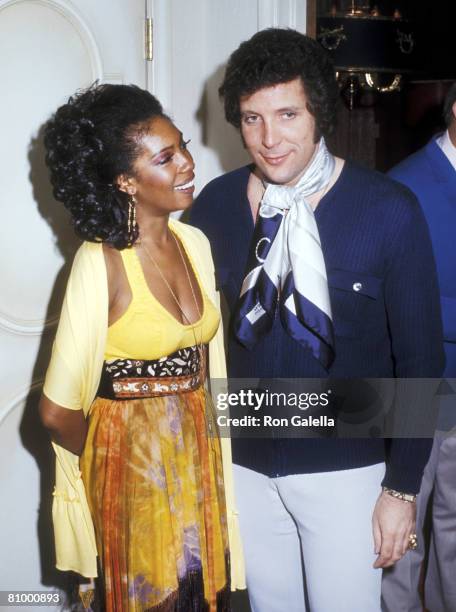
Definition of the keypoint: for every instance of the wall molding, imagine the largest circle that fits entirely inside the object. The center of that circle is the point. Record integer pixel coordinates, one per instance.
(19, 398)
(32, 327)
(71, 14)
(65, 9)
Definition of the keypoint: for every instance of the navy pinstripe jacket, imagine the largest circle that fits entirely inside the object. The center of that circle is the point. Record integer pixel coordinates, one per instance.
(374, 235)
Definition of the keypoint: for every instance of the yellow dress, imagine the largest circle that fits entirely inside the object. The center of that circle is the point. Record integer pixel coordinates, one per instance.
(152, 465)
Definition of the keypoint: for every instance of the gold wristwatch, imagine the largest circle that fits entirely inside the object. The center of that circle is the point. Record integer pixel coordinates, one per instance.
(407, 497)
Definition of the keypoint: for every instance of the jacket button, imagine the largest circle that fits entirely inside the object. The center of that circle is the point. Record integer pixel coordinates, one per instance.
(357, 286)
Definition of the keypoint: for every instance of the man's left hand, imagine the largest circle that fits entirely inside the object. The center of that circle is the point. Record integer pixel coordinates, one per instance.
(393, 521)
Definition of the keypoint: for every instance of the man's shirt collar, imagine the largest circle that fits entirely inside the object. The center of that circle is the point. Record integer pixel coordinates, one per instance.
(448, 148)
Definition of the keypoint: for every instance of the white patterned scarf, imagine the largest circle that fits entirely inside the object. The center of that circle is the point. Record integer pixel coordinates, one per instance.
(286, 265)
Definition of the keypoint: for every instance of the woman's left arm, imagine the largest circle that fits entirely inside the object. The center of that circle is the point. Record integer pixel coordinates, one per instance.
(68, 428)
(74, 370)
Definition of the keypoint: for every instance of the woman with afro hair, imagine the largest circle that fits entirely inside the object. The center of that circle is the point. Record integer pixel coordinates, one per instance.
(139, 492)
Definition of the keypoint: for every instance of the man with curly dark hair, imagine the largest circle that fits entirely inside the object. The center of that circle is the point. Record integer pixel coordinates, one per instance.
(327, 270)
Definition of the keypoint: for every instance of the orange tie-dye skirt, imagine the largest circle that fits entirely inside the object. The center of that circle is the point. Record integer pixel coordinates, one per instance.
(153, 475)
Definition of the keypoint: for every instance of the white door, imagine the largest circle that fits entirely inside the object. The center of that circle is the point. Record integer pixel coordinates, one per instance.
(48, 49)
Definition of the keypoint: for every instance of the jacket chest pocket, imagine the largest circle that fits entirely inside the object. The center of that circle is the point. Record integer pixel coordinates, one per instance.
(355, 301)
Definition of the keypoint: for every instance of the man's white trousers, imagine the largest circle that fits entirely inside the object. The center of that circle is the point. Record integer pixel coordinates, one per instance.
(308, 540)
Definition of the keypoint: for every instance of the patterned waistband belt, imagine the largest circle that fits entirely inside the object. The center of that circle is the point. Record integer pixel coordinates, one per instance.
(179, 372)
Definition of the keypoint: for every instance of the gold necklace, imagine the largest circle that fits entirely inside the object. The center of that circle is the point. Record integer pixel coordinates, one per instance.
(199, 344)
(162, 276)
(188, 276)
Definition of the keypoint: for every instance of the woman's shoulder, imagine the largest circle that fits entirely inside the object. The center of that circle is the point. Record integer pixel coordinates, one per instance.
(199, 249)
(189, 233)
(90, 249)
(88, 264)
(89, 254)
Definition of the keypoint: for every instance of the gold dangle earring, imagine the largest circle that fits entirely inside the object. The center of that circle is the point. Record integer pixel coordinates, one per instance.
(131, 214)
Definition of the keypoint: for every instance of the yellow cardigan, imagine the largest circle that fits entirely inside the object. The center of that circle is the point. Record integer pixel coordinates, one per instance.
(72, 381)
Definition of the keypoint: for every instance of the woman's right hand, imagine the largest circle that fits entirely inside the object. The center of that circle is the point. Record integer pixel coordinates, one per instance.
(68, 428)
